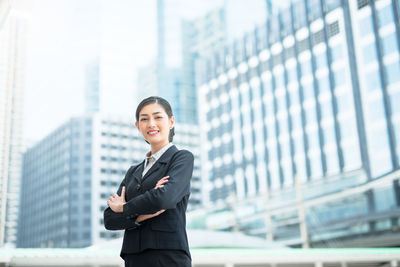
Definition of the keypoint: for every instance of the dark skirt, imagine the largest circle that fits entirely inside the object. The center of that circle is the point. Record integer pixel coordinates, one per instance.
(158, 258)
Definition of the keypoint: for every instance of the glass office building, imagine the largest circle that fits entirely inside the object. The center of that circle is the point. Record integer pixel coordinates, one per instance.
(302, 126)
(69, 175)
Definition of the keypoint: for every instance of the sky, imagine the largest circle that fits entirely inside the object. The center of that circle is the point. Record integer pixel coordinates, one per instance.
(65, 36)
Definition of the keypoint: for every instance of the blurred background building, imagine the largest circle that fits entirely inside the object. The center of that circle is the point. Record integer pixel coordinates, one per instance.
(301, 127)
(69, 175)
(13, 48)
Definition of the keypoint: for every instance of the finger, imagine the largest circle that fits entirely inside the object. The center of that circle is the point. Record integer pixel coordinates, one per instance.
(123, 193)
(159, 184)
(162, 182)
(164, 178)
(115, 195)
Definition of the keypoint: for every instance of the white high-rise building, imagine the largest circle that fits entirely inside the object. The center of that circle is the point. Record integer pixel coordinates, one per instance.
(79, 165)
(13, 39)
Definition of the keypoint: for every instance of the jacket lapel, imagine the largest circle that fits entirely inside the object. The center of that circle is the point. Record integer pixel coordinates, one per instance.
(137, 175)
(160, 162)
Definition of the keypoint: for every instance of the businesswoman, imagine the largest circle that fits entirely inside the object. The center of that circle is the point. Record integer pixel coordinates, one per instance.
(151, 201)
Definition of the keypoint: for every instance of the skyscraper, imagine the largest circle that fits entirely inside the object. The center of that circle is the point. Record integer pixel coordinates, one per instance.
(179, 41)
(69, 175)
(92, 88)
(301, 125)
(201, 37)
(13, 40)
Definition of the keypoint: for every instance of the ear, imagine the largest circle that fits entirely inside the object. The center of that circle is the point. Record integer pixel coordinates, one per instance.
(172, 122)
(137, 124)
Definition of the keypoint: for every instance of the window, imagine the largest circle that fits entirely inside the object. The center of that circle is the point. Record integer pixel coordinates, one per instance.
(344, 103)
(313, 140)
(339, 77)
(395, 100)
(332, 4)
(385, 15)
(384, 199)
(366, 26)
(306, 67)
(317, 37)
(292, 76)
(294, 97)
(337, 52)
(332, 162)
(281, 101)
(279, 81)
(369, 53)
(316, 166)
(323, 84)
(379, 153)
(372, 80)
(351, 156)
(329, 135)
(393, 72)
(311, 115)
(348, 129)
(389, 44)
(314, 9)
(299, 14)
(376, 110)
(321, 61)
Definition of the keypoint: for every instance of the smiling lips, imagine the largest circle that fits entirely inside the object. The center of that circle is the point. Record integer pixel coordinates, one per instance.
(152, 133)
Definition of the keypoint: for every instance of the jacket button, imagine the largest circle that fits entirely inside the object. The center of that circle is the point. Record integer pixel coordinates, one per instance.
(138, 187)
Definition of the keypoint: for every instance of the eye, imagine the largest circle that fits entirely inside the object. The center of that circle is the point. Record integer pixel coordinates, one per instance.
(143, 119)
(159, 117)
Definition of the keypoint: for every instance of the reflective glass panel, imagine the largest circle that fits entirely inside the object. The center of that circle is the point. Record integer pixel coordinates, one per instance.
(393, 72)
(385, 15)
(389, 44)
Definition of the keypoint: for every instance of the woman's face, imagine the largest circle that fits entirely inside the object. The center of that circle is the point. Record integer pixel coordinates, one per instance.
(154, 124)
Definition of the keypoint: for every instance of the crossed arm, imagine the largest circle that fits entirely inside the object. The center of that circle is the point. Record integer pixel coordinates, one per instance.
(116, 202)
(165, 195)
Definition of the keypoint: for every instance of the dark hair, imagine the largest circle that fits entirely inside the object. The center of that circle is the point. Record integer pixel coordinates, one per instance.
(166, 106)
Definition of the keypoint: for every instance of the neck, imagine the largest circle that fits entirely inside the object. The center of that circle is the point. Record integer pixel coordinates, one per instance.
(156, 147)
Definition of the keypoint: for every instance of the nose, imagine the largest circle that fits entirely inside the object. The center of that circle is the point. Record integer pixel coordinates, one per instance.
(152, 122)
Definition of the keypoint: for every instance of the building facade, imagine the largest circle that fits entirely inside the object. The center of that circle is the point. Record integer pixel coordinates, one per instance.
(200, 38)
(13, 47)
(70, 174)
(301, 126)
(92, 88)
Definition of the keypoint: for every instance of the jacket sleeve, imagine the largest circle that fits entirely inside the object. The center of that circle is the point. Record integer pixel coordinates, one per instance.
(119, 221)
(178, 185)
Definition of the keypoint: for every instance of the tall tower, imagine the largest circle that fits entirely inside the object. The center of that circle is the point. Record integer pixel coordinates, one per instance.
(13, 29)
(92, 94)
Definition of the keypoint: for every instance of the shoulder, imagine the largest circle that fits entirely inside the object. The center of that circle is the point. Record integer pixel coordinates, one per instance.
(183, 154)
(133, 168)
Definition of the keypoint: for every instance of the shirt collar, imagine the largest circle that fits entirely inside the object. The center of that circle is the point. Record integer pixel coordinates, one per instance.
(159, 153)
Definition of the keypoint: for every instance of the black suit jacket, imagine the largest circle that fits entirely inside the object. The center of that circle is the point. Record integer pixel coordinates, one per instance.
(167, 230)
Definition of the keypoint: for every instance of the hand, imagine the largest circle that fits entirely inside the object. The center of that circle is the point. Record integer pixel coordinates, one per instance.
(116, 202)
(144, 217)
(161, 182)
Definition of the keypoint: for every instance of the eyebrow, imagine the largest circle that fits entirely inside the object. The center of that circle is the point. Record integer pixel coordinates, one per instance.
(158, 112)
